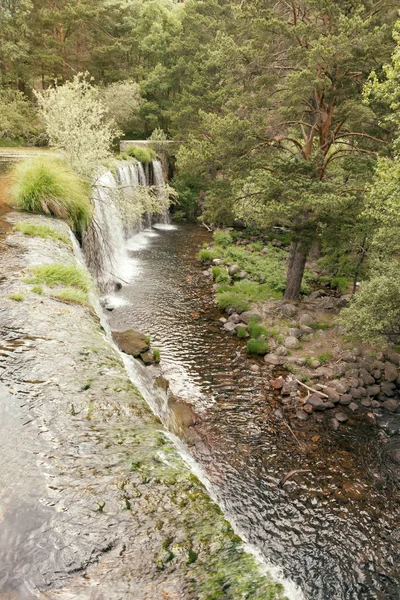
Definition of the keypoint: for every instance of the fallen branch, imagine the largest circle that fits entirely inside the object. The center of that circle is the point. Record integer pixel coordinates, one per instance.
(290, 474)
(312, 389)
(207, 227)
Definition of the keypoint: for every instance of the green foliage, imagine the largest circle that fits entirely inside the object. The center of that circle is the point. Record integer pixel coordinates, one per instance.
(374, 313)
(257, 347)
(48, 186)
(156, 355)
(37, 289)
(220, 275)
(232, 299)
(222, 238)
(18, 118)
(206, 255)
(188, 188)
(241, 332)
(143, 155)
(268, 267)
(55, 274)
(71, 295)
(17, 297)
(256, 330)
(43, 231)
(324, 358)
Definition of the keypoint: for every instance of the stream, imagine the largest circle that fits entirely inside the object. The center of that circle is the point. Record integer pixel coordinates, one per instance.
(334, 531)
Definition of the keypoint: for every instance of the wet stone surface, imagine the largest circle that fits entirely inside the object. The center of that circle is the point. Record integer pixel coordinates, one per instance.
(95, 502)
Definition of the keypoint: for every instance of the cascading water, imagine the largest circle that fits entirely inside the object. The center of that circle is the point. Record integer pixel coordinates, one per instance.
(122, 207)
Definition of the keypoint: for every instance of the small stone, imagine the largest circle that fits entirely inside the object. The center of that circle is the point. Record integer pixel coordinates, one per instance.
(377, 374)
(355, 393)
(242, 275)
(234, 318)
(296, 360)
(306, 319)
(255, 368)
(229, 327)
(289, 387)
(375, 404)
(291, 342)
(362, 391)
(391, 405)
(334, 423)
(366, 402)
(354, 382)
(294, 332)
(353, 406)
(366, 377)
(272, 359)
(216, 261)
(329, 404)
(345, 399)
(302, 415)
(373, 390)
(394, 358)
(378, 364)
(222, 320)
(281, 351)
(308, 408)
(234, 269)
(391, 372)
(314, 363)
(316, 402)
(277, 384)
(306, 329)
(332, 394)
(341, 417)
(339, 386)
(288, 310)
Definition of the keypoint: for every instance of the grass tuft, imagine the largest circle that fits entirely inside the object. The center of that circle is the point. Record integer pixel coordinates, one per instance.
(220, 275)
(255, 329)
(232, 299)
(37, 289)
(71, 295)
(257, 347)
(143, 155)
(43, 231)
(156, 355)
(17, 297)
(241, 332)
(209, 255)
(48, 186)
(59, 274)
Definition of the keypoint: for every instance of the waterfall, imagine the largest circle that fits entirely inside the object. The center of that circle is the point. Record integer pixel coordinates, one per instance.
(119, 212)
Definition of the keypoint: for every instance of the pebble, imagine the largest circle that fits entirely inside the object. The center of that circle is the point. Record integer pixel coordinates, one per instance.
(306, 319)
(302, 415)
(255, 368)
(345, 399)
(391, 372)
(277, 384)
(366, 402)
(391, 405)
(353, 406)
(334, 423)
(291, 342)
(341, 417)
(272, 359)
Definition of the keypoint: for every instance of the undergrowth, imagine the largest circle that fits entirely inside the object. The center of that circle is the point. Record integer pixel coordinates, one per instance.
(58, 274)
(143, 155)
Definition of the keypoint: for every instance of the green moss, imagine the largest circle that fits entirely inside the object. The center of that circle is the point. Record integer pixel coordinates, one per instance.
(43, 231)
(48, 186)
(56, 274)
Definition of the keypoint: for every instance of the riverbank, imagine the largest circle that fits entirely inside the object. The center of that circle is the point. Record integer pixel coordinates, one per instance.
(96, 502)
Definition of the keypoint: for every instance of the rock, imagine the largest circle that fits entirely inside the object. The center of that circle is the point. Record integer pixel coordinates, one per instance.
(229, 327)
(222, 320)
(354, 382)
(394, 358)
(291, 342)
(306, 319)
(306, 329)
(325, 372)
(353, 406)
(376, 374)
(281, 351)
(390, 405)
(277, 384)
(233, 270)
(388, 388)
(249, 315)
(339, 386)
(329, 404)
(378, 364)
(355, 393)
(334, 423)
(375, 404)
(332, 394)
(131, 342)
(255, 368)
(216, 261)
(366, 402)
(294, 332)
(289, 387)
(288, 310)
(147, 358)
(242, 275)
(390, 424)
(373, 390)
(278, 413)
(273, 359)
(302, 415)
(296, 360)
(346, 399)
(391, 372)
(316, 402)
(366, 377)
(308, 408)
(241, 326)
(344, 301)
(314, 363)
(362, 391)
(234, 318)
(341, 417)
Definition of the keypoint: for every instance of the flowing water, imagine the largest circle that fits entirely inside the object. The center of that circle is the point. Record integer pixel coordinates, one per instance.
(333, 530)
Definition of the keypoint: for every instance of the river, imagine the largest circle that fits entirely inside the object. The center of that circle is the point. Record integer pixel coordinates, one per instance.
(333, 530)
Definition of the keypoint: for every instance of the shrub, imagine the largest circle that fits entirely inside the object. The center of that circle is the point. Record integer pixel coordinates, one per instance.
(143, 155)
(209, 255)
(228, 299)
(257, 347)
(241, 332)
(374, 313)
(46, 185)
(220, 275)
(223, 238)
(43, 231)
(59, 274)
(71, 295)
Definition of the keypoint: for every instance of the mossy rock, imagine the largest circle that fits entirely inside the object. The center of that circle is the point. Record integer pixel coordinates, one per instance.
(131, 342)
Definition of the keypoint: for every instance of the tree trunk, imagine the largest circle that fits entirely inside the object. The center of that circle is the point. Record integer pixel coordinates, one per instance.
(297, 262)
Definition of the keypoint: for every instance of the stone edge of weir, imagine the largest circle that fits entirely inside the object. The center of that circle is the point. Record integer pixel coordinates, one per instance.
(135, 521)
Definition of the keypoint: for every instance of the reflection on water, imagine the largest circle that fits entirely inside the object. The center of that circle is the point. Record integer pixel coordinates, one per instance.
(333, 529)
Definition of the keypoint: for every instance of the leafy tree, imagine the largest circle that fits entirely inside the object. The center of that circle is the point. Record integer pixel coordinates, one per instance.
(77, 123)
(18, 117)
(122, 99)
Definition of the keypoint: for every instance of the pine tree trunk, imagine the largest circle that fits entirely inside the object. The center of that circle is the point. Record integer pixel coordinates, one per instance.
(297, 262)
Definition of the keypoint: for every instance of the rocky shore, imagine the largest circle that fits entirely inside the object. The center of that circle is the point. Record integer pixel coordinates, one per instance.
(96, 503)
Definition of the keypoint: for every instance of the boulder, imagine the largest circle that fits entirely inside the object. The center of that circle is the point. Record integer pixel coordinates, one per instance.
(294, 332)
(249, 315)
(346, 399)
(281, 350)
(131, 342)
(391, 372)
(390, 405)
(291, 342)
(332, 394)
(306, 319)
(288, 310)
(234, 318)
(306, 329)
(229, 327)
(316, 402)
(373, 390)
(234, 270)
(272, 359)
(147, 358)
